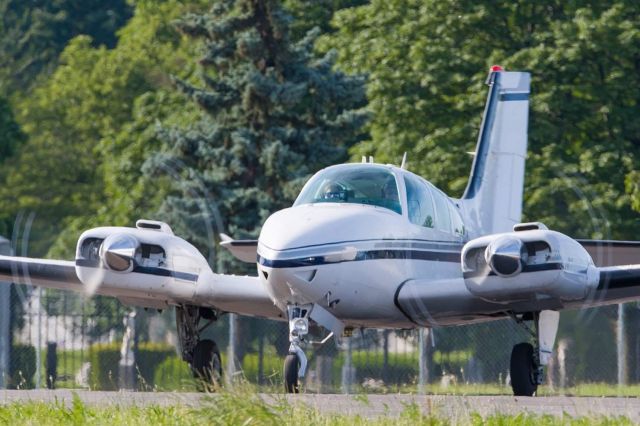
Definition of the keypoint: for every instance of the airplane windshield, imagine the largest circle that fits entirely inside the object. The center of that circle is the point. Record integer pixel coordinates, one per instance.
(354, 184)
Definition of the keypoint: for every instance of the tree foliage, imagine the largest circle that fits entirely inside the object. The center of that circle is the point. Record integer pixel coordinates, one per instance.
(33, 33)
(272, 115)
(426, 61)
(79, 126)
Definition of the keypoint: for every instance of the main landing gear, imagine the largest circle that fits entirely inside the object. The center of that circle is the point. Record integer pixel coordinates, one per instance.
(295, 363)
(202, 355)
(527, 360)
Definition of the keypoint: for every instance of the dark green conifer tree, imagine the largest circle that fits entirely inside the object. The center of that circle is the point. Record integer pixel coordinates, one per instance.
(33, 33)
(272, 115)
(11, 137)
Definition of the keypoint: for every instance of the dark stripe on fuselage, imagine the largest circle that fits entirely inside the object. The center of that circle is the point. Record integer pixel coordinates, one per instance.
(147, 270)
(525, 268)
(398, 254)
(407, 242)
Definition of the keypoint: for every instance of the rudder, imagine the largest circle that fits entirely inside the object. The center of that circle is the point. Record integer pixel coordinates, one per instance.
(492, 201)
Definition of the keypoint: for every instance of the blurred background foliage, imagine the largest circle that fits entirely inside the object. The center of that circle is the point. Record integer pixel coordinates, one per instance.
(93, 93)
(83, 106)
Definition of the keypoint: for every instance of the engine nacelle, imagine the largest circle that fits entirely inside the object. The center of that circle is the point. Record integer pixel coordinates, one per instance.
(147, 262)
(527, 265)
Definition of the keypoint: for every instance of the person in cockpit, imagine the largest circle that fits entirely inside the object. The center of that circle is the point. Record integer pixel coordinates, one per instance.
(334, 191)
(390, 198)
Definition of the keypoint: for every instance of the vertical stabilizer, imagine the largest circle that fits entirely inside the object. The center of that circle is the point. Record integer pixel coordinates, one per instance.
(492, 201)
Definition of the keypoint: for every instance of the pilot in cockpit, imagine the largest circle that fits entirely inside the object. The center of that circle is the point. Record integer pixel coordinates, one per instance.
(334, 191)
(390, 191)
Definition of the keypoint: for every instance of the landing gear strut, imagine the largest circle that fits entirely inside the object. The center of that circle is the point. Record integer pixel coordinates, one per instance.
(295, 363)
(527, 360)
(202, 355)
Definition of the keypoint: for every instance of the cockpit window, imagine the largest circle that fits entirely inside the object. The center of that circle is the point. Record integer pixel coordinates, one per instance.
(355, 184)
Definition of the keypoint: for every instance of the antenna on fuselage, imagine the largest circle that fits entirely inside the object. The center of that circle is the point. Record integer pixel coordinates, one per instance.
(371, 159)
(364, 158)
(404, 161)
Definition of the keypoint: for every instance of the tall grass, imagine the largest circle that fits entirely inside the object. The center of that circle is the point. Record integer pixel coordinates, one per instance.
(241, 405)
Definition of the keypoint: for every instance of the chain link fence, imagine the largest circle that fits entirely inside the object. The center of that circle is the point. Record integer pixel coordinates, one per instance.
(59, 339)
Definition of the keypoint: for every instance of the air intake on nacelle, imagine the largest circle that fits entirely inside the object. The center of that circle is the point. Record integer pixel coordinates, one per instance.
(154, 225)
(530, 226)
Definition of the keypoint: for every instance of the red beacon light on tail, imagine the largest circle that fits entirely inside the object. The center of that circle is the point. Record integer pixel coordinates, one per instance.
(496, 68)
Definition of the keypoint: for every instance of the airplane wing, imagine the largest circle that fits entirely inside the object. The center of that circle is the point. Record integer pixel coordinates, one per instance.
(144, 266)
(244, 250)
(612, 253)
(533, 269)
(618, 284)
(56, 274)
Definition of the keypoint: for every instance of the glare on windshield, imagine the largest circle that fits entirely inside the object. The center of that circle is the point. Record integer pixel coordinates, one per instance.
(364, 184)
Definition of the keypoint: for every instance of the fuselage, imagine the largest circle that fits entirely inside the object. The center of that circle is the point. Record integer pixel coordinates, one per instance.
(354, 236)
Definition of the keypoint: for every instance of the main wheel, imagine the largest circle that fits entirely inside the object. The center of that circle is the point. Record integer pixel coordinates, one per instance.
(523, 370)
(291, 367)
(207, 364)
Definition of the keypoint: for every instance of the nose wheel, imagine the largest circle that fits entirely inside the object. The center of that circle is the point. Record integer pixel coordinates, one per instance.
(295, 364)
(291, 367)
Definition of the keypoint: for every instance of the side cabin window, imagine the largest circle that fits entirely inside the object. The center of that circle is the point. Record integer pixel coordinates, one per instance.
(456, 221)
(443, 216)
(419, 202)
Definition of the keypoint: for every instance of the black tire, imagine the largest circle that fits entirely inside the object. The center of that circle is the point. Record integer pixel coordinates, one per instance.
(523, 370)
(291, 366)
(207, 364)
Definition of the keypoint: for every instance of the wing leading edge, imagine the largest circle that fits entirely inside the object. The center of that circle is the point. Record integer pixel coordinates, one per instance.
(228, 293)
(612, 253)
(617, 284)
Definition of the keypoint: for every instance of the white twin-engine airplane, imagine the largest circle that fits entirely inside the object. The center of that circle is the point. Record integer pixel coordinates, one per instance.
(370, 245)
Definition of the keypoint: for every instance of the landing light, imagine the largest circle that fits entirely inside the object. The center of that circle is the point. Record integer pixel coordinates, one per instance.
(301, 326)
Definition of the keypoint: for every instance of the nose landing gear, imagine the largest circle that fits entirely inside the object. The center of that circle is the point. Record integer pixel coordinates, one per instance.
(295, 363)
(527, 360)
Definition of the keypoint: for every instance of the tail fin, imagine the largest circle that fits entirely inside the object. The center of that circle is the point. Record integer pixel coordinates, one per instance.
(492, 201)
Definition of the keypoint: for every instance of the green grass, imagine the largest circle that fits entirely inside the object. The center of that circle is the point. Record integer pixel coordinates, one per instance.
(242, 406)
(585, 389)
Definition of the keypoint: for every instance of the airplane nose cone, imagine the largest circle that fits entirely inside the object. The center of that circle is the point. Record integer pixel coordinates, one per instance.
(316, 224)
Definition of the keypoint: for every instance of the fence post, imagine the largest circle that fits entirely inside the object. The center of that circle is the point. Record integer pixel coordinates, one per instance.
(621, 345)
(39, 340)
(52, 365)
(348, 372)
(127, 364)
(5, 319)
(231, 350)
(423, 373)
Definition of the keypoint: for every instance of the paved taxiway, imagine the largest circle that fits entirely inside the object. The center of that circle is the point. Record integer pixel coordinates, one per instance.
(367, 406)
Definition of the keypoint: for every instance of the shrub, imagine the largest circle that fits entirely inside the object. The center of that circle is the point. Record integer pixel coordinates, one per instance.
(149, 356)
(105, 358)
(272, 367)
(174, 374)
(22, 367)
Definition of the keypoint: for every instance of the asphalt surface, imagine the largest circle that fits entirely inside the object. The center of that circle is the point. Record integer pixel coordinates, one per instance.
(452, 407)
